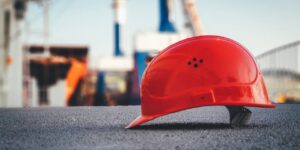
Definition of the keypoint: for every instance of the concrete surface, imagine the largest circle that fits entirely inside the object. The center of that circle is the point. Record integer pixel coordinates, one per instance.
(103, 128)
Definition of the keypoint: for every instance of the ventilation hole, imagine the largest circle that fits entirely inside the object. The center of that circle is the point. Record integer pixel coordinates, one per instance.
(194, 59)
(202, 97)
(195, 65)
(201, 60)
(189, 63)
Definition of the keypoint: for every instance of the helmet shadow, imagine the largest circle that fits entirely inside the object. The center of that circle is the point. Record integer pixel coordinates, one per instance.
(194, 126)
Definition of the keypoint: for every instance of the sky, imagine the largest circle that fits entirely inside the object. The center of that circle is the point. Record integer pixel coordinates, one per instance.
(258, 25)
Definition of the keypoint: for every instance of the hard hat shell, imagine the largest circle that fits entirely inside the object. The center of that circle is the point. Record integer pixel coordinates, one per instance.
(200, 71)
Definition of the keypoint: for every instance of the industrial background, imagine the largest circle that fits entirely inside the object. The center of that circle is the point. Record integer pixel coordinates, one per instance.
(38, 68)
(281, 69)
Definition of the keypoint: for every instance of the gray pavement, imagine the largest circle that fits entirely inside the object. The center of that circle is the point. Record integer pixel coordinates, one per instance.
(103, 128)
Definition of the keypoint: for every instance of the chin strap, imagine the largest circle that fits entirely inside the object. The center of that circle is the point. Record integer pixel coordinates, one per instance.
(239, 115)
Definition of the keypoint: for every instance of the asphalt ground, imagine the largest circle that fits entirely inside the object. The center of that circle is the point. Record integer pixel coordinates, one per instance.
(103, 128)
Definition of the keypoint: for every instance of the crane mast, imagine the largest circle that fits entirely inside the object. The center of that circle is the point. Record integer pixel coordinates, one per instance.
(193, 21)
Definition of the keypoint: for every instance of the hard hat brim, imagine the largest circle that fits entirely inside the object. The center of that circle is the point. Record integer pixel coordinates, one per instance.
(140, 120)
(143, 118)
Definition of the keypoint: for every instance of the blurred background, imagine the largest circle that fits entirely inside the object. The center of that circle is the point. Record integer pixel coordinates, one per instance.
(94, 52)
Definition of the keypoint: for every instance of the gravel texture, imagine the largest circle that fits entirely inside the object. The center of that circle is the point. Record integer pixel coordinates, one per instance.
(103, 128)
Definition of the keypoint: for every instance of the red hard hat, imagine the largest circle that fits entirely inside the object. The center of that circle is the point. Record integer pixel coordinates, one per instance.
(200, 71)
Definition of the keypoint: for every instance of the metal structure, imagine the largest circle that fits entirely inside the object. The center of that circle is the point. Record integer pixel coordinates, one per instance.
(165, 22)
(281, 69)
(193, 22)
(113, 72)
(119, 7)
(12, 14)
